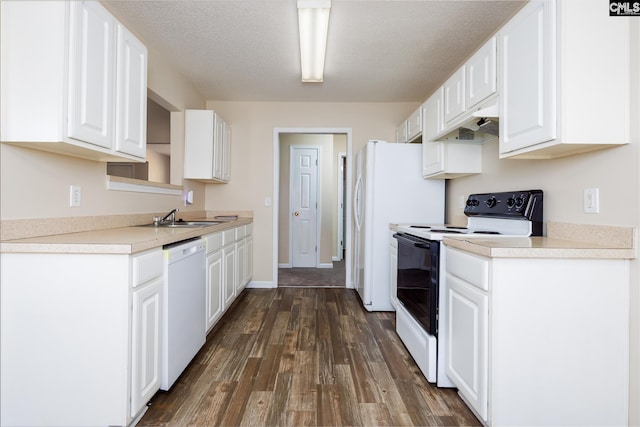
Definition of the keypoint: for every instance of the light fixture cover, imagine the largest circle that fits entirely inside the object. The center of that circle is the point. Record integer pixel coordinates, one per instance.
(313, 25)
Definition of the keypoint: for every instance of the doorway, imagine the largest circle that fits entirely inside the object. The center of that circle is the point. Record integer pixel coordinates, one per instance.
(330, 266)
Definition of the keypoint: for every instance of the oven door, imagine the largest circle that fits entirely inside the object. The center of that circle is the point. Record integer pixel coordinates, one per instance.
(418, 261)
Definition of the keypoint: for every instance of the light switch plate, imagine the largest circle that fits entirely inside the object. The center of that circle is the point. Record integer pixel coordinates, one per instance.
(75, 196)
(591, 200)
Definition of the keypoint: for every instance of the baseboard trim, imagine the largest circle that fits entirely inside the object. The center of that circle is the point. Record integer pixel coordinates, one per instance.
(287, 265)
(261, 284)
(326, 265)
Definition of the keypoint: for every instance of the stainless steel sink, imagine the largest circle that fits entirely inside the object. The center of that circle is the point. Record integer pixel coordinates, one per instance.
(182, 224)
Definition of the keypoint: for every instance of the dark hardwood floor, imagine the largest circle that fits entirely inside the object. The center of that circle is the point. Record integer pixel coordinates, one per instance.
(304, 357)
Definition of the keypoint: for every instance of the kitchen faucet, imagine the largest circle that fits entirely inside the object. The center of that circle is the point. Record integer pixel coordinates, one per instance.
(171, 214)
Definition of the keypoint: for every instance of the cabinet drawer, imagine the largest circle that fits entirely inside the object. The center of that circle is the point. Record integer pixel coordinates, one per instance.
(470, 268)
(214, 242)
(228, 236)
(241, 232)
(146, 267)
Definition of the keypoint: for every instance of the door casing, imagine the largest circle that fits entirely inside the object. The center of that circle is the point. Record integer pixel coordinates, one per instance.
(276, 196)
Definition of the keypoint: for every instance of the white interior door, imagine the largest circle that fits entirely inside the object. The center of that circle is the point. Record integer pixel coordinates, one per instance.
(304, 206)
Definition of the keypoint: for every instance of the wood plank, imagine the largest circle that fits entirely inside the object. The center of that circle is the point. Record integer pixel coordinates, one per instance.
(375, 414)
(304, 382)
(259, 403)
(347, 398)
(266, 376)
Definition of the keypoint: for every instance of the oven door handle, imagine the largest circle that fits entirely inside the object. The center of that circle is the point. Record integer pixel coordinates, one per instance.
(420, 245)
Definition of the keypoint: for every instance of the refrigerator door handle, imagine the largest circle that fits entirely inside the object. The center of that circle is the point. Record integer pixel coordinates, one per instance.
(357, 202)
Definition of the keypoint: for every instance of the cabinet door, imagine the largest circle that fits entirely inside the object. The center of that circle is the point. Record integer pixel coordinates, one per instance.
(240, 266)
(229, 274)
(214, 288)
(528, 79)
(467, 334)
(226, 153)
(131, 95)
(454, 98)
(433, 116)
(249, 255)
(481, 74)
(218, 145)
(433, 158)
(401, 133)
(146, 343)
(414, 124)
(92, 74)
(199, 134)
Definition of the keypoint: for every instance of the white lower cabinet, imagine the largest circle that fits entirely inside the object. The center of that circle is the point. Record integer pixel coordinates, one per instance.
(468, 311)
(229, 267)
(80, 337)
(539, 341)
(215, 275)
(146, 343)
(241, 259)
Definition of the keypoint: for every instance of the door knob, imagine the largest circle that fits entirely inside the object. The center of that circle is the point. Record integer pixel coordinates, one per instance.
(296, 213)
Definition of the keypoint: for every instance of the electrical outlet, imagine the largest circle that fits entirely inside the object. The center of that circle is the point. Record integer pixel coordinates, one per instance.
(591, 200)
(462, 202)
(75, 196)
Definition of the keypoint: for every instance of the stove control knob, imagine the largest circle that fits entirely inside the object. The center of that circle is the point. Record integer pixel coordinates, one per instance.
(469, 202)
(519, 202)
(491, 202)
(511, 202)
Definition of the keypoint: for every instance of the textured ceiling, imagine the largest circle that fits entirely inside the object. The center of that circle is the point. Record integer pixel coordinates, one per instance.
(378, 51)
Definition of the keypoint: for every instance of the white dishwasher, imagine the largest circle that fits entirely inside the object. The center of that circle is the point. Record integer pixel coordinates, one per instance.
(184, 307)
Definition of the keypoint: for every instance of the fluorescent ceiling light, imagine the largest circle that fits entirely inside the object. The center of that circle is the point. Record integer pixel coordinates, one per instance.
(313, 23)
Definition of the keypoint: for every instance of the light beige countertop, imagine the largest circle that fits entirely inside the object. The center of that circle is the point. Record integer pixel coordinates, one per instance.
(537, 247)
(120, 240)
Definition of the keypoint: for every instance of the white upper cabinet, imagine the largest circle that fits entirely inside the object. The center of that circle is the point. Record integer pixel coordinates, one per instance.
(131, 94)
(469, 86)
(414, 125)
(454, 95)
(207, 146)
(401, 133)
(564, 70)
(91, 74)
(444, 160)
(73, 69)
(481, 79)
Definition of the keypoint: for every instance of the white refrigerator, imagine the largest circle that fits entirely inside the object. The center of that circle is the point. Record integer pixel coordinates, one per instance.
(389, 188)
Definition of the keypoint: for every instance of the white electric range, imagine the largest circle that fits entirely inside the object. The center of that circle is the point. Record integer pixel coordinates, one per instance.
(421, 263)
